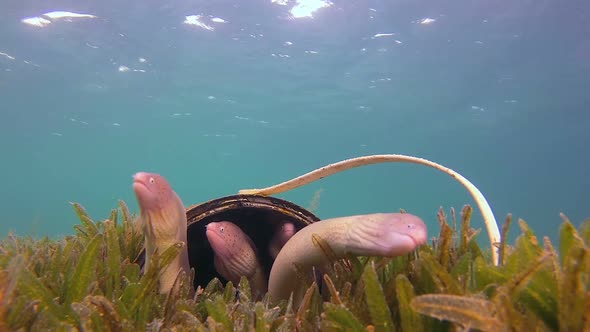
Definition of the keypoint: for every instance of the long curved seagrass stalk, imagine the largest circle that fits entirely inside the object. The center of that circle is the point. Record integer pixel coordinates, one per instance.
(482, 203)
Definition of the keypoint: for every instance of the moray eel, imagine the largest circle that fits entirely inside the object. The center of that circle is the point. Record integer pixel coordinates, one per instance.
(163, 222)
(236, 256)
(281, 237)
(381, 234)
(322, 172)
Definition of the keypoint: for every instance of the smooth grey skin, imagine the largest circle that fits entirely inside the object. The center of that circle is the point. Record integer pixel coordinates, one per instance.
(236, 256)
(163, 222)
(380, 234)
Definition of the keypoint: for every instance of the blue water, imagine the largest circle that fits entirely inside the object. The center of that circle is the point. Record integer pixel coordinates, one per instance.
(497, 91)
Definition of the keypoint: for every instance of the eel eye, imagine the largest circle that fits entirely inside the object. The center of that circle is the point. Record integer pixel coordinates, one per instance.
(152, 180)
(221, 229)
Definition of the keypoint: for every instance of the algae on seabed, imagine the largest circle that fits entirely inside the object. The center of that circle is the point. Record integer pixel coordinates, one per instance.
(89, 281)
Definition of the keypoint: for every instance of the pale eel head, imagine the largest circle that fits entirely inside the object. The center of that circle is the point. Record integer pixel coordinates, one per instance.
(287, 231)
(227, 239)
(282, 235)
(163, 215)
(163, 222)
(221, 238)
(235, 253)
(388, 234)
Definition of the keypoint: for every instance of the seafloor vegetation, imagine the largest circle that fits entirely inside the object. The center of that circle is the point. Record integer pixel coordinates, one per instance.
(88, 281)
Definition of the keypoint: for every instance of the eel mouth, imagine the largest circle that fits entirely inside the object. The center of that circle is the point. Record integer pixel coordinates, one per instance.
(217, 242)
(139, 181)
(418, 239)
(416, 243)
(139, 185)
(399, 243)
(144, 191)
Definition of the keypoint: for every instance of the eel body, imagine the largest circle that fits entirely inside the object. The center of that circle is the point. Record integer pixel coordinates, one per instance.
(381, 234)
(163, 222)
(236, 256)
(320, 173)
